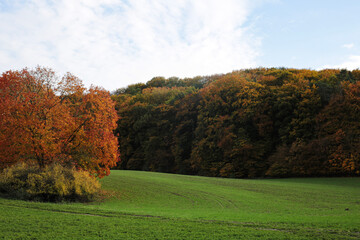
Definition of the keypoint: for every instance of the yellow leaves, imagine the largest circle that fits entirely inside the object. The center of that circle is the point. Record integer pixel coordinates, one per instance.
(85, 184)
(51, 183)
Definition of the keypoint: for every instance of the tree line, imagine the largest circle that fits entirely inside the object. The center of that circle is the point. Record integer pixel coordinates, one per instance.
(264, 122)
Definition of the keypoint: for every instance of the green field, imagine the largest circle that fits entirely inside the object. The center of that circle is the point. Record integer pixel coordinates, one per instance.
(165, 206)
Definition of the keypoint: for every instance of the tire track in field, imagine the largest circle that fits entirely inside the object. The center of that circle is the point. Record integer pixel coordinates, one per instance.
(107, 214)
(220, 200)
(207, 197)
(54, 210)
(183, 196)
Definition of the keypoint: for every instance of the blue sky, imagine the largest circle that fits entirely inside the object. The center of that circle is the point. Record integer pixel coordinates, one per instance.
(308, 34)
(114, 43)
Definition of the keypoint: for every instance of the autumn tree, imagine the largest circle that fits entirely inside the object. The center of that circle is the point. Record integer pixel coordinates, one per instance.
(45, 119)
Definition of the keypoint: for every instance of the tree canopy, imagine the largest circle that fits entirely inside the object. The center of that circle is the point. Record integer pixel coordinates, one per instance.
(264, 122)
(46, 119)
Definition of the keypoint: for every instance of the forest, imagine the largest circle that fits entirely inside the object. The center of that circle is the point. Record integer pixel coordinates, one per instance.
(252, 123)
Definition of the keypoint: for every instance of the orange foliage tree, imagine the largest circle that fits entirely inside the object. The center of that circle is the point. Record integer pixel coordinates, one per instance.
(45, 119)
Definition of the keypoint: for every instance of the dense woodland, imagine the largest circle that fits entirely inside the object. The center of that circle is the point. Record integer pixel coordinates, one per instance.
(253, 123)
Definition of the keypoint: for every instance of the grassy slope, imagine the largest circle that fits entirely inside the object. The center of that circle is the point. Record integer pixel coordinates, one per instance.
(164, 206)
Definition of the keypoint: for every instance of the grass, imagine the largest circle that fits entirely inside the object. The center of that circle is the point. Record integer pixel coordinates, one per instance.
(167, 206)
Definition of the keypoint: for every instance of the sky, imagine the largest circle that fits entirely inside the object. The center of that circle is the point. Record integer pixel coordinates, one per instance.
(115, 43)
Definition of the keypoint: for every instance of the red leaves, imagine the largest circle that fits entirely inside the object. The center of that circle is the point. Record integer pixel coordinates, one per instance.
(44, 120)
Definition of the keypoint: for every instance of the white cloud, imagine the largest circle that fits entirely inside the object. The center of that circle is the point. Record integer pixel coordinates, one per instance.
(351, 63)
(113, 43)
(348, 45)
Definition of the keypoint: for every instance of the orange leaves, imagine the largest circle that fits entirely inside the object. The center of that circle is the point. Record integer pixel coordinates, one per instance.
(100, 112)
(27, 104)
(44, 120)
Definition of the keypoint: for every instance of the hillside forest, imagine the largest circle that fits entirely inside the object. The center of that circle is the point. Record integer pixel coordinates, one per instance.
(254, 123)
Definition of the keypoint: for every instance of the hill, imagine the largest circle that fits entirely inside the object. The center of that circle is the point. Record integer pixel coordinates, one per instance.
(147, 205)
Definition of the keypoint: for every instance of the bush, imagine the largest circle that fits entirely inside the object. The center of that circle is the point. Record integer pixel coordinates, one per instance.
(52, 183)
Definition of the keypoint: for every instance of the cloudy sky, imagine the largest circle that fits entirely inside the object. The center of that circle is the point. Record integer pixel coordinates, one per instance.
(114, 43)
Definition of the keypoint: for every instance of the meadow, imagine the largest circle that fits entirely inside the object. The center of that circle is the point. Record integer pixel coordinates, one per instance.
(148, 205)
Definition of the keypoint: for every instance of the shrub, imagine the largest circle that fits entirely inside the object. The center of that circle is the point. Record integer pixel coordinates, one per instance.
(52, 183)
